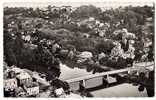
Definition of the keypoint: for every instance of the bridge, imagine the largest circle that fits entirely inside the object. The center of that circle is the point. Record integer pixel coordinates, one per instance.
(82, 80)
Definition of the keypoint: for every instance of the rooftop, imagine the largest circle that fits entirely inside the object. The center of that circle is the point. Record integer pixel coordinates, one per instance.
(23, 75)
(32, 84)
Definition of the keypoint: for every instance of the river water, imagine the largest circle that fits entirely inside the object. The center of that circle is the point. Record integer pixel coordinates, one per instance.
(121, 90)
(69, 73)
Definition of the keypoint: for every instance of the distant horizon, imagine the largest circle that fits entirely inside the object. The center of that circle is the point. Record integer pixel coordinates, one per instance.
(76, 4)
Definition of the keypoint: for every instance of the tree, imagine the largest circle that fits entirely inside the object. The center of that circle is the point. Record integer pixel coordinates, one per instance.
(86, 11)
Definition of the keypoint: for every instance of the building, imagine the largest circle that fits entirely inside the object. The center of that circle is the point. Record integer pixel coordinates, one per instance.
(32, 89)
(10, 84)
(17, 70)
(66, 8)
(55, 9)
(24, 78)
(149, 21)
(60, 93)
(85, 35)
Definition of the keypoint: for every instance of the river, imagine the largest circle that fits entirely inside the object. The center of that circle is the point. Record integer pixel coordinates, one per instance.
(122, 90)
(126, 89)
(69, 73)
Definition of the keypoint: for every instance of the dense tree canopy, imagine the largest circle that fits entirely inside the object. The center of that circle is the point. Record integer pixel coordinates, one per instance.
(86, 11)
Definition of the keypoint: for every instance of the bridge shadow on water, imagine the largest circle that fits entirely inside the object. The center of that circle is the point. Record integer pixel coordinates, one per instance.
(103, 86)
(87, 91)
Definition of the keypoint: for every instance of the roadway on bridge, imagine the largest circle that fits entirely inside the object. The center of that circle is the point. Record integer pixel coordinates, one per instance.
(135, 67)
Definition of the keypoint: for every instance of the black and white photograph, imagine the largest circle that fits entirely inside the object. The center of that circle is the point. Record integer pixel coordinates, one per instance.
(78, 49)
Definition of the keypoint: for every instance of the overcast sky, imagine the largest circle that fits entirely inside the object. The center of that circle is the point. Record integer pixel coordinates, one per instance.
(76, 4)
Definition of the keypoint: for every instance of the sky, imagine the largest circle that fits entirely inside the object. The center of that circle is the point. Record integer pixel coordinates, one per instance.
(76, 4)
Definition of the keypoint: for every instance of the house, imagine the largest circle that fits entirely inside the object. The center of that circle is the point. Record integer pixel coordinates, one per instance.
(60, 93)
(66, 8)
(32, 89)
(10, 84)
(91, 19)
(85, 35)
(10, 81)
(55, 9)
(149, 21)
(17, 70)
(23, 78)
(102, 33)
(10, 74)
(84, 56)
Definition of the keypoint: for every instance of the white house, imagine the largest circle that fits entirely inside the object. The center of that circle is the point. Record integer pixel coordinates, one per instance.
(102, 33)
(32, 89)
(84, 56)
(60, 93)
(10, 84)
(24, 78)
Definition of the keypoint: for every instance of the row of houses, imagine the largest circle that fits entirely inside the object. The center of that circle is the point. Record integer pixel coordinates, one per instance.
(19, 81)
(25, 83)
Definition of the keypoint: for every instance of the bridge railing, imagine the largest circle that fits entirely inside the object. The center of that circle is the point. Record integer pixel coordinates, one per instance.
(106, 73)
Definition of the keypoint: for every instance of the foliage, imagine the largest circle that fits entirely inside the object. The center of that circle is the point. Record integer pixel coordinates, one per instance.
(132, 18)
(86, 11)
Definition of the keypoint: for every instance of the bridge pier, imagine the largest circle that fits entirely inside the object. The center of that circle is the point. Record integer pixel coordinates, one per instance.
(82, 81)
(105, 81)
(106, 77)
(82, 85)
